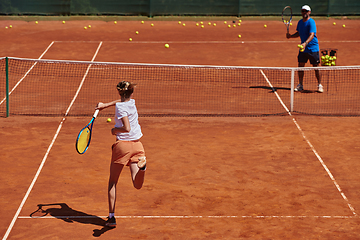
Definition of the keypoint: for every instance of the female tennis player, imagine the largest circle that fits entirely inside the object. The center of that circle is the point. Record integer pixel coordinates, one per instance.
(127, 150)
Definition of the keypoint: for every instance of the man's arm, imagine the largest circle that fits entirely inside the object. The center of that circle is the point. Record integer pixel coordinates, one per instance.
(295, 35)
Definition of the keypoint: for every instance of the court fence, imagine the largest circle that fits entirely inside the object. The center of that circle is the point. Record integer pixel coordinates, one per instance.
(173, 7)
(73, 88)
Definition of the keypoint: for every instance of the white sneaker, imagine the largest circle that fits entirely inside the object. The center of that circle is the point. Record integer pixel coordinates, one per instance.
(320, 88)
(299, 88)
(142, 163)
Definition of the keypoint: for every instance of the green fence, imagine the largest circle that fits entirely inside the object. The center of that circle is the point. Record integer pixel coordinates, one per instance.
(174, 7)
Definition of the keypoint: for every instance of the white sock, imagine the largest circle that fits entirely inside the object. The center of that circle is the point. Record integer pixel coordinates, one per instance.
(111, 215)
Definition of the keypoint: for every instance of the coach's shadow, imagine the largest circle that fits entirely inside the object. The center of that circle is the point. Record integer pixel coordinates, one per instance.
(67, 214)
(270, 88)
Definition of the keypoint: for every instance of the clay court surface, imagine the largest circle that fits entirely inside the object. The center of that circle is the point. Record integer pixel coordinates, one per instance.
(215, 177)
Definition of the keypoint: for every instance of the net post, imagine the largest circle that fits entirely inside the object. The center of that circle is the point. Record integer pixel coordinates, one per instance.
(7, 86)
(292, 90)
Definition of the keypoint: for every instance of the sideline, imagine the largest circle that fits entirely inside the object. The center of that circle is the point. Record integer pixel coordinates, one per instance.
(47, 152)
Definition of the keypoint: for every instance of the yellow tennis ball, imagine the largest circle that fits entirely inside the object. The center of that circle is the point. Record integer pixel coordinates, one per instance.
(184, 24)
(137, 32)
(167, 45)
(152, 24)
(239, 36)
(229, 26)
(334, 23)
(265, 26)
(291, 24)
(202, 26)
(85, 28)
(36, 22)
(6, 27)
(179, 22)
(214, 24)
(209, 23)
(239, 24)
(142, 22)
(115, 22)
(89, 26)
(239, 21)
(108, 120)
(344, 25)
(225, 22)
(63, 22)
(130, 39)
(10, 26)
(201, 23)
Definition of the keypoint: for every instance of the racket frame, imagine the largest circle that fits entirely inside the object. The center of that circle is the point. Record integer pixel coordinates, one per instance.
(287, 23)
(91, 123)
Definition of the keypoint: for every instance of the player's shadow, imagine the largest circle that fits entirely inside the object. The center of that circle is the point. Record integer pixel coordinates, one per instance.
(63, 212)
(270, 88)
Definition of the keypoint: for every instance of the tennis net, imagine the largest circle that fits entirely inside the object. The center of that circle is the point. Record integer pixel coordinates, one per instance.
(73, 88)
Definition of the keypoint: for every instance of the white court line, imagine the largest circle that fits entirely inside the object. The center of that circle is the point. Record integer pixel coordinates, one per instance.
(312, 148)
(27, 72)
(47, 153)
(211, 42)
(183, 217)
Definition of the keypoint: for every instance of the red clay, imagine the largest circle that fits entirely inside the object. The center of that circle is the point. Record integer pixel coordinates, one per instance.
(259, 170)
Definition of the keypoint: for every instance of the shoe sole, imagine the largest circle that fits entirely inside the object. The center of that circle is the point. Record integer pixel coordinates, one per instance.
(142, 162)
(112, 225)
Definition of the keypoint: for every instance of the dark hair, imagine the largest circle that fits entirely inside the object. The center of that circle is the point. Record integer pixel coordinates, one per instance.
(125, 88)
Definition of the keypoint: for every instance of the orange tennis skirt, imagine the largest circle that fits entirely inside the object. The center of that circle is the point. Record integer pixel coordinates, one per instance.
(127, 152)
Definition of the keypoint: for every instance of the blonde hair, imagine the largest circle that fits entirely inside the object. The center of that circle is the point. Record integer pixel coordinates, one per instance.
(125, 88)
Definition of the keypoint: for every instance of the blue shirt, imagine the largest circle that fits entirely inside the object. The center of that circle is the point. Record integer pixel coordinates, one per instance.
(304, 29)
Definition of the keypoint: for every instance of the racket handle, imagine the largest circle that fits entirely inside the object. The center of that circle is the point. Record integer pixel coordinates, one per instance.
(96, 113)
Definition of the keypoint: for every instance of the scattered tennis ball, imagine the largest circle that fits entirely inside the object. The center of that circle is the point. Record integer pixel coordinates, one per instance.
(89, 26)
(344, 25)
(63, 22)
(239, 36)
(130, 39)
(334, 23)
(265, 26)
(10, 26)
(334, 57)
(85, 27)
(137, 32)
(184, 24)
(142, 22)
(202, 26)
(291, 24)
(152, 24)
(214, 24)
(6, 27)
(201, 23)
(229, 26)
(209, 23)
(179, 22)
(239, 24)
(225, 22)
(167, 45)
(115, 22)
(108, 120)
(234, 25)
(239, 21)
(36, 22)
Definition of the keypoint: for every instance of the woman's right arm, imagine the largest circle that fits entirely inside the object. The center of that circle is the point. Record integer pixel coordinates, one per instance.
(100, 106)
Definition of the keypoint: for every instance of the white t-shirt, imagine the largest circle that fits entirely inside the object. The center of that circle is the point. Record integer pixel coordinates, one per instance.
(123, 109)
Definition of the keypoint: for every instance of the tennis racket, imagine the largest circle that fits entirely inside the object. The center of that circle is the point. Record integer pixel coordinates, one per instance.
(84, 137)
(287, 17)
